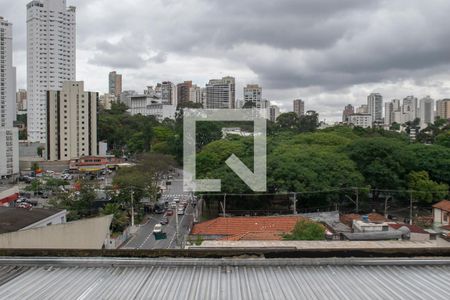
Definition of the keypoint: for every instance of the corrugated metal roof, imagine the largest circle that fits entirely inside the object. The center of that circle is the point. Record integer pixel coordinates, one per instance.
(224, 279)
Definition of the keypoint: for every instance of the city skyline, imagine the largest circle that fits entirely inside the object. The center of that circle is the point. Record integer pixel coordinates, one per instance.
(327, 80)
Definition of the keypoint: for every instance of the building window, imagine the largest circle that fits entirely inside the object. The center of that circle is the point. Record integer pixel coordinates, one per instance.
(445, 216)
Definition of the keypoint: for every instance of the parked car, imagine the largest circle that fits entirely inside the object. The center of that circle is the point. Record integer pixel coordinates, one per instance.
(157, 228)
(180, 211)
(159, 210)
(169, 213)
(164, 221)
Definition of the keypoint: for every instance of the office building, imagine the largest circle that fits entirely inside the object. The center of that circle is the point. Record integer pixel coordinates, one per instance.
(360, 120)
(9, 152)
(348, 110)
(299, 107)
(115, 84)
(253, 94)
(167, 91)
(375, 106)
(221, 93)
(51, 39)
(184, 92)
(274, 113)
(443, 109)
(106, 100)
(149, 104)
(426, 112)
(71, 122)
(7, 76)
(21, 100)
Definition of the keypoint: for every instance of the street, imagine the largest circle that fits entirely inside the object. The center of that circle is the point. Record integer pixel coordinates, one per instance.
(144, 238)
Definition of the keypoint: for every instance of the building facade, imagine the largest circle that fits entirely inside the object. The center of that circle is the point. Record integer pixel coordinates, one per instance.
(348, 110)
(375, 106)
(7, 76)
(71, 122)
(9, 152)
(115, 84)
(253, 94)
(410, 109)
(106, 100)
(299, 107)
(443, 109)
(274, 113)
(21, 100)
(426, 111)
(184, 92)
(360, 120)
(195, 94)
(168, 93)
(149, 104)
(51, 50)
(221, 93)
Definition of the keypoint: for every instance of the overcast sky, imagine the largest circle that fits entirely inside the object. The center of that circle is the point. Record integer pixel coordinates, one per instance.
(327, 52)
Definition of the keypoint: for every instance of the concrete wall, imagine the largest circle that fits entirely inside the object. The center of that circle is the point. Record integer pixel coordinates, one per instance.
(83, 234)
(58, 218)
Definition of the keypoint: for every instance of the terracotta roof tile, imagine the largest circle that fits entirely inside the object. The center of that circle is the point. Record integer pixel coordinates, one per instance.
(254, 227)
(412, 228)
(444, 205)
(373, 217)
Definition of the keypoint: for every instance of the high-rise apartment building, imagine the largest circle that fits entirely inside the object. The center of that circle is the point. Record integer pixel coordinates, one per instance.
(360, 120)
(21, 100)
(195, 94)
(7, 76)
(51, 51)
(388, 113)
(348, 110)
(221, 93)
(426, 111)
(299, 107)
(71, 122)
(274, 113)
(375, 106)
(9, 152)
(443, 109)
(253, 93)
(184, 92)
(168, 92)
(410, 109)
(115, 84)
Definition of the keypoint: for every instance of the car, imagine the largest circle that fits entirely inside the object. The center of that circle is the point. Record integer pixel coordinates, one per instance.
(164, 221)
(173, 205)
(157, 228)
(180, 211)
(159, 210)
(176, 199)
(169, 213)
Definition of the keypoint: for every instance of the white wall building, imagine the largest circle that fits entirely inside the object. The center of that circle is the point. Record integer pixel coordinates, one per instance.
(375, 106)
(7, 76)
(221, 93)
(253, 93)
(409, 108)
(360, 120)
(9, 152)
(51, 51)
(71, 122)
(125, 97)
(426, 112)
(274, 113)
(151, 105)
(169, 93)
(106, 101)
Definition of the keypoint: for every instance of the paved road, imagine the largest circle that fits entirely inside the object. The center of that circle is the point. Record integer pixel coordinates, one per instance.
(144, 238)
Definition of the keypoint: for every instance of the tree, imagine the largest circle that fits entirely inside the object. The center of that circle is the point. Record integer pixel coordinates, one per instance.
(306, 230)
(249, 104)
(207, 132)
(288, 120)
(443, 139)
(120, 217)
(428, 191)
(309, 122)
(189, 104)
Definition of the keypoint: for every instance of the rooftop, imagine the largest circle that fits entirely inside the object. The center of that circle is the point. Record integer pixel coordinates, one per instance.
(253, 228)
(412, 228)
(236, 279)
(14, 219)
(444, 205)
(373, 217)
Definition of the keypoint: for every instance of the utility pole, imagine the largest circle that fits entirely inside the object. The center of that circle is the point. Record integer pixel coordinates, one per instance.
(176, 224)
(295, 203)
(224, 205)
(410, 207)
(386, 205)
(357, 199)
(132, 208)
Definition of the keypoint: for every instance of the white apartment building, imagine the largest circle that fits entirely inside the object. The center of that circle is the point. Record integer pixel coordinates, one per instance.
(409, 108)
(125, 97)
(9, 152)
(274, 113)
(221, 93)
(375, 106)
(106, 101)
(71, 122)
(7, 76)
(426, 112)
(195, 94)
(51, 51)
(388, 113)
(360, 120)
(253, 93)
(21, 100)
(168, 92)
(151, 105)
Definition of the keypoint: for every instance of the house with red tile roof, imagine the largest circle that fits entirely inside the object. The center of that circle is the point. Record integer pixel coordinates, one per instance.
(441, 215)
(416, 233)
(246, 228)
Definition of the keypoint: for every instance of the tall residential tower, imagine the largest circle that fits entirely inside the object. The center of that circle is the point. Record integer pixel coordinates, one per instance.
(51, 51)
(7, 76)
